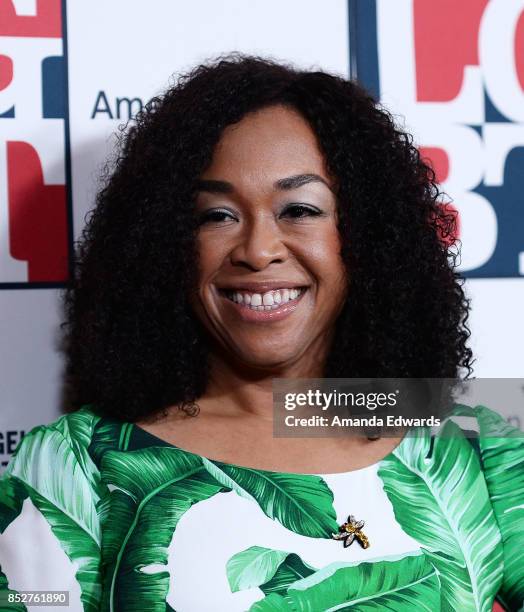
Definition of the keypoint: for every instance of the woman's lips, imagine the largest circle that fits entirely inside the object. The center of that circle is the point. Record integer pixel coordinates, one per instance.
(264, 307)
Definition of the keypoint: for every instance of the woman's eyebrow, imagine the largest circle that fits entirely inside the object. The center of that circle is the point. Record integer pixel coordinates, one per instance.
(213, 186)
(283, 184)
(293, 182)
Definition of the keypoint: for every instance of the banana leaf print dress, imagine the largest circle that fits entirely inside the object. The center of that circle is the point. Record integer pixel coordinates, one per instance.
(127, 522)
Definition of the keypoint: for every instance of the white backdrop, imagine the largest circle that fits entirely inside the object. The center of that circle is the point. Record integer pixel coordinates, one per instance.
(129, 49)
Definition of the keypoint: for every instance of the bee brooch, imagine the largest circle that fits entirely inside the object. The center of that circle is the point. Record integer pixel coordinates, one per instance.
(351, 530)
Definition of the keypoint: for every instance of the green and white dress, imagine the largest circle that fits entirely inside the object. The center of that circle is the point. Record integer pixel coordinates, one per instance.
(127, 522)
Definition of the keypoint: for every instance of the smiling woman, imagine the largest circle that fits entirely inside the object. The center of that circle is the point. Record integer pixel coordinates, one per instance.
(262, 222)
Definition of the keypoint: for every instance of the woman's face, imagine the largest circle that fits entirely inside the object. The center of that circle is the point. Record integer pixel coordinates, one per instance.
(272, 281)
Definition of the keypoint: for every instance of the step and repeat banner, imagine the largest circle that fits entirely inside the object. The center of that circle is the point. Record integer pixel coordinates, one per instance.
(71, 72)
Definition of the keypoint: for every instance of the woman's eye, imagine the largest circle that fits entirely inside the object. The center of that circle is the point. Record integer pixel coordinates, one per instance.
(215, 216)
(296, 211)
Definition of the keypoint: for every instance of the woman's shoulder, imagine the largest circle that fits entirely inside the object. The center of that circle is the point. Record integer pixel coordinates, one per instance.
(69, 435)
(52, 490)
(500, 447)
(498, 442)
(54, 457)
(473, 443)
(480, 421)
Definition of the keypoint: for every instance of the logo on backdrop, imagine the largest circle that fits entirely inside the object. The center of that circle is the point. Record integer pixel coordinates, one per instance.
(457, 77)
(33, 209)
(9, 440)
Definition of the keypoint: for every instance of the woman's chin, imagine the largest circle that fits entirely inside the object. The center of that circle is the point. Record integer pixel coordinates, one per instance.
(268, 360)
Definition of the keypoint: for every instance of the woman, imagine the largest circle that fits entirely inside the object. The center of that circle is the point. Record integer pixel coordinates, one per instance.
(262, 222)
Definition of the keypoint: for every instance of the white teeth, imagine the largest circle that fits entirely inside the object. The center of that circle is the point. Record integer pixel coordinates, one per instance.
(267, 301)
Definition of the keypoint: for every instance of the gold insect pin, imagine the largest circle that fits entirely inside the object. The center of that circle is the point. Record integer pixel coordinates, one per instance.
(351, 530)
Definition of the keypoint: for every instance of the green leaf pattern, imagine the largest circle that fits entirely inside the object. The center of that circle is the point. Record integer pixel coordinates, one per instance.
(302, 503)
(444, 504)
(465, 508)
(68, 504)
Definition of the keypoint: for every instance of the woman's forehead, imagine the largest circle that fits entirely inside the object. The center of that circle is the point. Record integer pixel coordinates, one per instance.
(269, 144)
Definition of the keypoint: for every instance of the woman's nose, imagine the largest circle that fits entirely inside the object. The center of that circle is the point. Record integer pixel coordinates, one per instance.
(259, 245)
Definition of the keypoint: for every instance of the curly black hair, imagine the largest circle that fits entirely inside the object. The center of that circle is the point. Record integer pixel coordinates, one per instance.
(133, 345)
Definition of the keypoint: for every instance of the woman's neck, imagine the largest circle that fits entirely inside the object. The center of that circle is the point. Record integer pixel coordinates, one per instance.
(236, 389)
